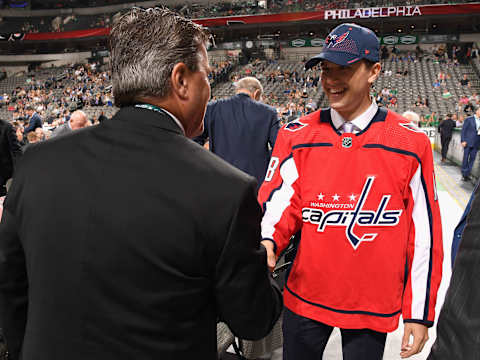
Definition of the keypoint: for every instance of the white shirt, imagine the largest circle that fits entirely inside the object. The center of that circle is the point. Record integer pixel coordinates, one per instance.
(176, 120)
(360, 122)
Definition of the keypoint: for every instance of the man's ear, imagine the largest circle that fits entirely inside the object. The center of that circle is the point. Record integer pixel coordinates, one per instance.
(179, 80)
(374, 72)
(257, 95)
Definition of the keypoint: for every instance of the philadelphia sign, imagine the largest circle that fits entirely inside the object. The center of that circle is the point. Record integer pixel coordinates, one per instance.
(372, 12)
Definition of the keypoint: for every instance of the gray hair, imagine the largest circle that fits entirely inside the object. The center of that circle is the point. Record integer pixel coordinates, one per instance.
(145, 45)
(250, 84)
(412, 116)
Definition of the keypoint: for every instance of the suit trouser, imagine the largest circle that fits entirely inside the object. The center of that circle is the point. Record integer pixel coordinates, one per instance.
(469, 155)
(445, 144)
(305, 339)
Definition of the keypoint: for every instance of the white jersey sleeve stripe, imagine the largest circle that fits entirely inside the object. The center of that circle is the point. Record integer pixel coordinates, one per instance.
(280, 199)
(421, 258)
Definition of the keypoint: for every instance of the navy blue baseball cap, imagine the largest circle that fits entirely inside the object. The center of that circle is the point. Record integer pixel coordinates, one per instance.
(347, 44)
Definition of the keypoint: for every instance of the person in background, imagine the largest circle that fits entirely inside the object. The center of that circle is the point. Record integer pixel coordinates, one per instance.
(10, 152)
(412, 116)
(446, 128)
(241, 129)
(470, 140)
(34, 119)
(78, 120)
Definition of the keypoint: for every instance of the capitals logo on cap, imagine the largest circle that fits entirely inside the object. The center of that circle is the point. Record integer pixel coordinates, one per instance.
(347, 44)
(334, 40)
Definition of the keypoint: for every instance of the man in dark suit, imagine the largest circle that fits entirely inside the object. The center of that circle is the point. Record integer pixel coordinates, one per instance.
(10, 151)
(446, 128)
(458, 325)
(471, 142)
(133, 240)
(35, 121)
(241, 129)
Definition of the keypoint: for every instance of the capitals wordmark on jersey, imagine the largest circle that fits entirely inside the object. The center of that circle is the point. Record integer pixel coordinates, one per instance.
(357, 216)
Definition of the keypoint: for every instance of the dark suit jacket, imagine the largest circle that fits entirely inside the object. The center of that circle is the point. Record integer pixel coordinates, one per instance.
(129, 244)
(10, 151)
(242, 131)
(458, 328)
(446, 128)
(469, 132)
(35, 122)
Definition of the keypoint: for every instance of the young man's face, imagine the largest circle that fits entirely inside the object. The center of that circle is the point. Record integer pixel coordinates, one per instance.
(348, 87)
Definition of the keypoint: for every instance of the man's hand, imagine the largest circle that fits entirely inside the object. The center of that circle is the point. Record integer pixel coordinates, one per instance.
(420, 337)
(464, 143)
(271, 257)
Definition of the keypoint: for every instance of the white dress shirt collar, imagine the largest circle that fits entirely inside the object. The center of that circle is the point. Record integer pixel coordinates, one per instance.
(176, 120)
(361, 121)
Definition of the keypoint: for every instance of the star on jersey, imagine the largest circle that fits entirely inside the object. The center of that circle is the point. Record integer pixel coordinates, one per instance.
(320, 196)
(353, 197)
(336, 197)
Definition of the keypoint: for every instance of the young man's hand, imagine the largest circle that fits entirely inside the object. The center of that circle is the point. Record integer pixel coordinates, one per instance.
(420, 337)
(271, 257)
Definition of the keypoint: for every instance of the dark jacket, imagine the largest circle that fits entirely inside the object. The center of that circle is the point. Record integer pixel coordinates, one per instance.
(35, 122)
(130, 243)
(469, 132)
(458, 325)
(458, 232)
(242, 131)
(10, 151)
(446, 128)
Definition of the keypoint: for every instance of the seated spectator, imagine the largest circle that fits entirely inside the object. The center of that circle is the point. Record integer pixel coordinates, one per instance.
(393, 101)
(474, 99)
(431, 119)
(32, 137)
(465, 81)
(419, 102)
(468, 108)
(446, 94)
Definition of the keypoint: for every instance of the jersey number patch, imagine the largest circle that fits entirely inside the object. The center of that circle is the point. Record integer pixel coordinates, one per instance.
(272, 166)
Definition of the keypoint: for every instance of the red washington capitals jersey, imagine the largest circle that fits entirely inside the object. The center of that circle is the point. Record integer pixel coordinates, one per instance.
(366, 205)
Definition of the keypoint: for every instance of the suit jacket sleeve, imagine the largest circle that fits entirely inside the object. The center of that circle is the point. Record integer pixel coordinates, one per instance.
(13, 281)
(464, 130)
(274, 126)
(247, 300)
(13, 144)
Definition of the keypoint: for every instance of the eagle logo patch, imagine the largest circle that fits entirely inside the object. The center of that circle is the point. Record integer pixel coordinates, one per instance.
(295, 125)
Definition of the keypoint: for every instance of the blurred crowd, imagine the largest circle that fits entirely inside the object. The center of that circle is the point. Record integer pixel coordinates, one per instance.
(190, 10)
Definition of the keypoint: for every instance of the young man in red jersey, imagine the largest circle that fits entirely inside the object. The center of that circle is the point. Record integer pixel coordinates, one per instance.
(358, 181)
